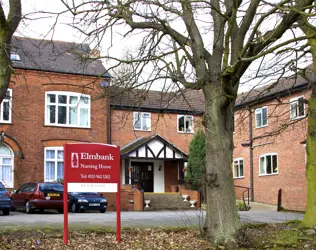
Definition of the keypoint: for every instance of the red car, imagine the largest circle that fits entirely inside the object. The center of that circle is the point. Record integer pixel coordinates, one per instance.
(39, 196)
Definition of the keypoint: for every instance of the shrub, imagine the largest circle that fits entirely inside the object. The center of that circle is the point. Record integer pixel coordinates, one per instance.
(196, 162)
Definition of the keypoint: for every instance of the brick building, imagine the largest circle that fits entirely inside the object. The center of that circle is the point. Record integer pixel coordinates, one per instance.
(269, 141)
(52, 99)
(55, 98)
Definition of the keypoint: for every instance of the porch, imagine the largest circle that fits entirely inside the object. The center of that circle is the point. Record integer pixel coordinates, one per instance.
(152, 164)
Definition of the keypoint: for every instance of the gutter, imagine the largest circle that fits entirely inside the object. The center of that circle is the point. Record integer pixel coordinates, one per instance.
(60, 72)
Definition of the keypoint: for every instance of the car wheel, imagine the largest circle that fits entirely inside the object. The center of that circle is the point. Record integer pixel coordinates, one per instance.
(60, 211)
(102, 211)
(74, 208)
(6, 211)
(28, 208)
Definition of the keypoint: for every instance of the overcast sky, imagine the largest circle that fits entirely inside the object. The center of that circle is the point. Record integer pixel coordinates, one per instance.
(40, 25)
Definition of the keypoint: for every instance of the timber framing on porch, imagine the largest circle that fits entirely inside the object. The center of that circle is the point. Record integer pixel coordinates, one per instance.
(141, 153)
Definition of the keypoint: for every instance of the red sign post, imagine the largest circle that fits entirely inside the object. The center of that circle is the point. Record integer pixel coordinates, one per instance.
(92, 167)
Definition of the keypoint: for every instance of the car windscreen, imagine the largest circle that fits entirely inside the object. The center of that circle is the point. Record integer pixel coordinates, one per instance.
(49, 187)
(2, 187)
(84, 193)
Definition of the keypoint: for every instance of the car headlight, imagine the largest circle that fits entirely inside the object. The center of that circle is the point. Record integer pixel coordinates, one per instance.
(82, 200)
(103, 200)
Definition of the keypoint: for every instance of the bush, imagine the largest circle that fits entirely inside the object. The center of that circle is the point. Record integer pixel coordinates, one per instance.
(196, 162)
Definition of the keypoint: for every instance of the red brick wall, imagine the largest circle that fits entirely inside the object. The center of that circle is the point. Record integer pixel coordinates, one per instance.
(286, 143)
(28, 96)
(171, 174)
(163, 124)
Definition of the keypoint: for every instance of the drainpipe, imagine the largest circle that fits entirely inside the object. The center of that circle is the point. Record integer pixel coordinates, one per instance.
(108, 117)
(251, 154)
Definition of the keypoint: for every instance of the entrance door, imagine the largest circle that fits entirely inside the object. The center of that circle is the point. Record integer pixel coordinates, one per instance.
(142, 174)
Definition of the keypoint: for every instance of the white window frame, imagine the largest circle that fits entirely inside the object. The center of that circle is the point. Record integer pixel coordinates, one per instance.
(296, 100)
(141, 121)
(260, 110)
(11, 184)
(243, 164)
(67, 105)
(265, 155)
(54, 160)
(185, 116)
(10, 108)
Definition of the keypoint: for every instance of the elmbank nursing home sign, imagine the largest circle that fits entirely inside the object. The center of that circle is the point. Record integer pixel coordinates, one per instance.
(91, 167)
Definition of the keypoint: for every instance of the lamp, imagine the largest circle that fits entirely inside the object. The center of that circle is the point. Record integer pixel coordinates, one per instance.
(2, 136)
(106, 82)
(159, 168)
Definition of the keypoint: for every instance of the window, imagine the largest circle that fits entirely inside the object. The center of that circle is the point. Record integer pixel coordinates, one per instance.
(268, 164)
(6, 165)
(67, 109)
(297, 109)
(261, 117)
(5, 108)
(142, 121)
(15, 57)
(185, 123)
(54, 164)
(238, 169)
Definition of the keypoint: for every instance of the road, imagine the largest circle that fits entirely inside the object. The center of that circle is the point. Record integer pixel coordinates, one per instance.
(133, 219)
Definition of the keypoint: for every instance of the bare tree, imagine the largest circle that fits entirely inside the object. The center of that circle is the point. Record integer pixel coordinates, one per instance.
(309, 29)
(206, 45)
(8, 25)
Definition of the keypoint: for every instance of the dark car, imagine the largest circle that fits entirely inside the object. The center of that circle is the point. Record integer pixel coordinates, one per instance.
(86, 201)
(39, 196)
(5, 201)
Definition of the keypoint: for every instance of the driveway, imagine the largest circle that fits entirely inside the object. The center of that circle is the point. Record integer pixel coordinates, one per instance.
(135, 219)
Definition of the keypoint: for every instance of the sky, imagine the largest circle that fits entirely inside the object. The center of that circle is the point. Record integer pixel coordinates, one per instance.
(39, 25)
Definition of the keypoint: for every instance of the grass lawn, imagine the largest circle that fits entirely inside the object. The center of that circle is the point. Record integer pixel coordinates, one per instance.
(278, 236)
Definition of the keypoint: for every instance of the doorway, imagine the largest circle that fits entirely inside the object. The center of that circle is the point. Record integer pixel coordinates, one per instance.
(143, 175)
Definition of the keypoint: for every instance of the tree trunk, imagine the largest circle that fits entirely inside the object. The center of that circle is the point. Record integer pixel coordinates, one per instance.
(5, 63)
(222, 221)
(310, 214)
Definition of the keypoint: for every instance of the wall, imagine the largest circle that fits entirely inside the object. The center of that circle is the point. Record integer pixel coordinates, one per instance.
(284, 137)
(28, 97)
(163, 124)
(171, 174)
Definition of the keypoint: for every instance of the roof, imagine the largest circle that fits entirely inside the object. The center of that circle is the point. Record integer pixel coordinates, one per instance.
(56, 56)
(140, 142)
(136, 98)
(284, 87)
(186, 101)
(192, 101)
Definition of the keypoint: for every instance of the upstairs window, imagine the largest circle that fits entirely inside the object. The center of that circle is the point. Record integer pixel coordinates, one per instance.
(185, 123)
(268, 164)
(238, 169)
(67, 109)
(297, 108)
(142, 121)
(261, 117)
(6, 108)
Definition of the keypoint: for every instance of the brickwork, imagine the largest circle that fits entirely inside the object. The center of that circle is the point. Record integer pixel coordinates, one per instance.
(171, 174)
(28, 129)
(286, 142)
(193, 195)
(163, 124)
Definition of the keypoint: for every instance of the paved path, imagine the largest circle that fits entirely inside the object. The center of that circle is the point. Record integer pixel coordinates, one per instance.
(135, 219)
